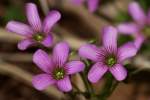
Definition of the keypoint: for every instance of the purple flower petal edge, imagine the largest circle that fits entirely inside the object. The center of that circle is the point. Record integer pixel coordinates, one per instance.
(50, 20)
(33, 17)
(137, 13)
(41, 81)
(19, 28)
(74, 67)
(43, 61)
(119, 72)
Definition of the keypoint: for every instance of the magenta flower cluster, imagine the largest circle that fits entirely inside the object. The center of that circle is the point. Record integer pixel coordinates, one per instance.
(108, 57)
(37, 32)
(57, 67)
(139, 27)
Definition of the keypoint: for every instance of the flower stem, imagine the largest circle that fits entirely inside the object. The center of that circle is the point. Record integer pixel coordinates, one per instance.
(108, 88)
(88, 86)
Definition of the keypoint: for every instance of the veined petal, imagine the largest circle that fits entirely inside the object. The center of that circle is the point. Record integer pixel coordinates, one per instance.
(43, 61)
(19, 28)
(89, 51)
(60, 53)
(126, 51)
(109, 37)
(128, 28)
(139, 39)
(42, 81)
(47, 42)
(74, 67)
(64, 84)
(52, 18)
(93, 5)
(96, 72)
(24, 44)
(137, 13)
(33, 17)
(119, 72)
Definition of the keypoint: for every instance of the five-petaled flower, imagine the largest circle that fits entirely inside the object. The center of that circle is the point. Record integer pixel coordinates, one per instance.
(140, 25)
(37, 32)
(108, 57)
(56, 68)
(92, 4)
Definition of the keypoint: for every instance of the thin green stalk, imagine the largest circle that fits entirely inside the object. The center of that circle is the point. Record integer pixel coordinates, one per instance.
(108, 88)
(113, 87)
(87, 84)
(89, 88)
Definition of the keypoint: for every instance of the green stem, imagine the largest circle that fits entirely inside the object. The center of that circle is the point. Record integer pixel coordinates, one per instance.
(108, 88)
(113, 87)
(88, 86)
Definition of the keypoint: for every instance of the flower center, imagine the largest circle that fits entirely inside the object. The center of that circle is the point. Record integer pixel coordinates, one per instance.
(38, 37)
(146, 30)
(59, 73)
(110, 61)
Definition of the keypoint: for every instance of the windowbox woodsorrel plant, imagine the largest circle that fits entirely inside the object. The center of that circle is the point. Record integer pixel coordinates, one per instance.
(140, 27)
(57, 69)
(108, 57)
(37, 32)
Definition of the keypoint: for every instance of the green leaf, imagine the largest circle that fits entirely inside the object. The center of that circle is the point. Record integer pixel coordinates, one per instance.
(14, 13)
(145, 4)
(122, 16)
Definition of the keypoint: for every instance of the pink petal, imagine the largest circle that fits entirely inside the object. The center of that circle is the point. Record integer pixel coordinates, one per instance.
(89, 51)
(43, 61)
(137, 13)
(24, 44)
(93, 5)
(128, 28)
(74, 67)
(33, 17)
(126, 51)
(42, 81)
(52, 18)
(19, 28)
(139, 39)
(47, 42)
(97, 72)
(64, 84)
(60, 53)
(109, 37)
(119, 72)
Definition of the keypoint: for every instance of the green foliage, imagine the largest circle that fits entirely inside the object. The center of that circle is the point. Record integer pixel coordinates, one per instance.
(14, 13)
(145, 48)
(145, 4)
(122, 17)
(124, 38)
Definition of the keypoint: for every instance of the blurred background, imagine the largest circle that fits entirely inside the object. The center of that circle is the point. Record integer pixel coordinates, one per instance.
(77, 27)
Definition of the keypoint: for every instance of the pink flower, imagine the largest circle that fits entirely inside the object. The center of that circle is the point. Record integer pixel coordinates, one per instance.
(56, 69)
(108, 57)
(140, 25)
(36, 32)
(92, 4)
